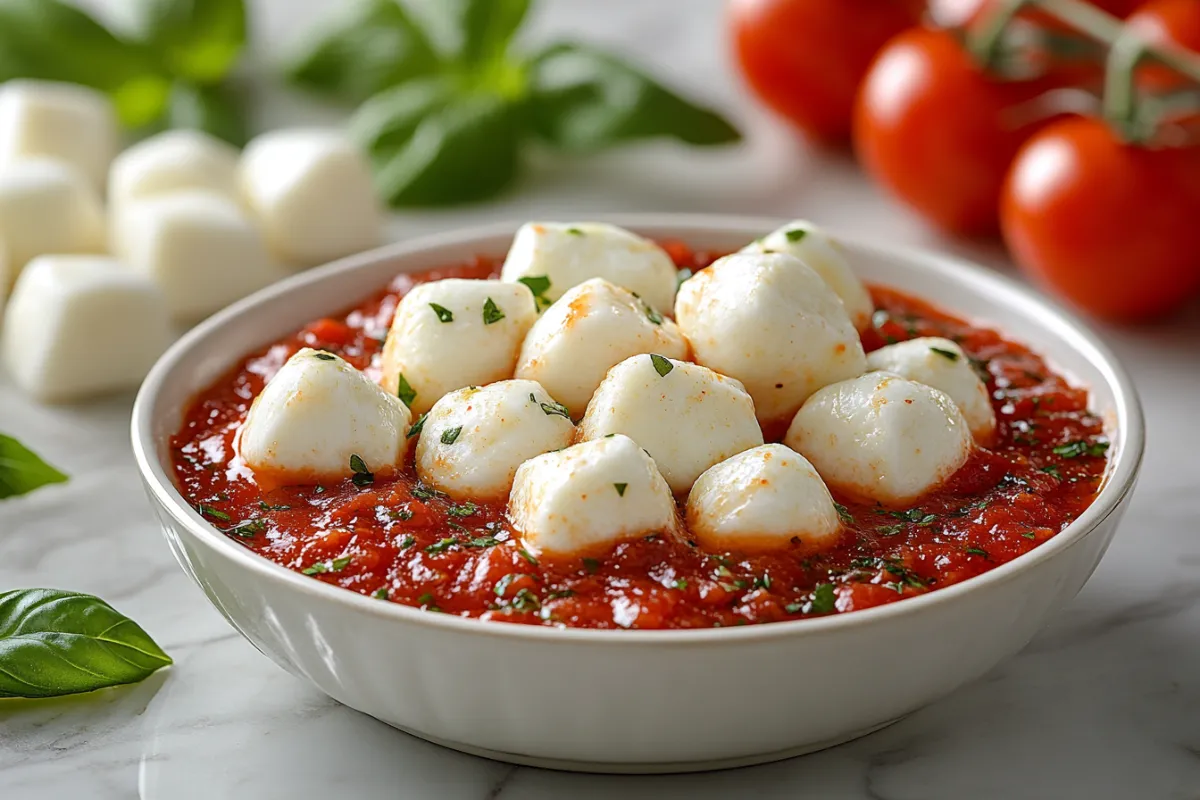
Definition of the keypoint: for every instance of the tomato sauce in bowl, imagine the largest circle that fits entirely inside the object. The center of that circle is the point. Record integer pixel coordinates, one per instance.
(399, 541)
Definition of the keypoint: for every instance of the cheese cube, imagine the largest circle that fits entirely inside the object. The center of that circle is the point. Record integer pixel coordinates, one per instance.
(568, 253)
(82, 325)
(590, 329)
(589, 497)
(61, 121)
(473, 439)
(315, 417)
(173, 161)
(453, 333)
(313, 194)
(685, 415)
(47, 207)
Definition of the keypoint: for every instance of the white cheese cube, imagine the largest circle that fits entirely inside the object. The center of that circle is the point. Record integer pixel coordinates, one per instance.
(569, 253)
(475, 438)
(173, 161)
(588, 497)
(47, 207)
(769, 320)
(881, 437)
(60, 121)
(824, 255)
(314, 416)
(942, 364)
(82, 325)
(453, 333)
(588, 330)
(313, 194)
(201, 248)
(685, 415)
(762, 499)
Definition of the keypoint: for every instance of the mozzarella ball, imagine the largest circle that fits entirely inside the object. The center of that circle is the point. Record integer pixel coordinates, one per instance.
(201, 248)
(685, 415)
(47, 207)
(824, 255)
(589, 496)
(313, 416)
(588, 330)
(173, 161)
(762, 498)
(78, 326)
(881, 437)
(453, 333)
(569, 253)
(475, 438)
(65, 122)
(313, 194)
(769, 320)
(942, 364)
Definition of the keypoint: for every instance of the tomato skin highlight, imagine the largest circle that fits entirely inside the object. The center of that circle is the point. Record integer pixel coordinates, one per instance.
(1113, 228)
(805, 58)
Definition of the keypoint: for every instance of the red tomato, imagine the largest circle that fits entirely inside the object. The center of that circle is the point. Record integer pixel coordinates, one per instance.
(938, 132)
(805, 58)
(1174, 22)
(1111, 227)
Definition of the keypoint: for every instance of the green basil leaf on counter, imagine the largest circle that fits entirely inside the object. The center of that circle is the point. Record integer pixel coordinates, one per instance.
(22, 470)
(196, 40)
(213, 109)
(583, 99)
(55, 643)
(471, 31)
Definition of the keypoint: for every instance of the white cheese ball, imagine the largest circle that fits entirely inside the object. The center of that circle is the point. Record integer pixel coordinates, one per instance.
(588, 330)
(201, 248)
(313, 194)
(61, 121)
(314, 415)
(685, 415)
(172, 161)
(942, 364)
(823, 253)
(881, 437)
(453, 333)
(761, 499)
(769, 320)
(47, 207)
(475, 438)
(589, 496)
(78, 326)
(569, 253)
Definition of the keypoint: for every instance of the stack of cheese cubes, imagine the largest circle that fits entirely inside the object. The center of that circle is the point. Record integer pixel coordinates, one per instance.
(94, 292)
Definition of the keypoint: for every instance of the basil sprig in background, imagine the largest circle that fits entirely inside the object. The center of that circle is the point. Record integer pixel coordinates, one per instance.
(447, 105)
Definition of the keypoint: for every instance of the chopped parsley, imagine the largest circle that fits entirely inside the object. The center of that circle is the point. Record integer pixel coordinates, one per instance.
(680, 584)
(824, 599)
(890, 530)
(662, 365)
(247, 529)
(423, 492)
(950, 354)
(463, 510)
(525, 601)
(552, 408)
(651, 314)
(975, 551)
(417, 426)
(427, 599)
(450, 435)
(491, 312)
(913, 515)
(404, 391)
(523, 553)
(407, 542)
(381, 594)
(209, 511)
(1053, 471)
(362, 475)
(1081, 448)
(337, 565)
(575, 231)
(325, 356)
(591, 565)
(795, 234)
(483, 541)
(441, 545)
(763, 581)
(265, 506)
(1029, 535)
(620, 487)
(844, 513)
(539, 285)
(443, 314)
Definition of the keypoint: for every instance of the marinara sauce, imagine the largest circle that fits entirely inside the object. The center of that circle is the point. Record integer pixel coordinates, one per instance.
(399, 541)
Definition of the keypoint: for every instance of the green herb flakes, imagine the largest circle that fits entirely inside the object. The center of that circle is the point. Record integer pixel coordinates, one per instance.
(844, 513)
(380, 594)
(591, 565)
(620, 487)
(325, 356)
(417, 426)
(1053, 471)
(442, 545)
(407, 542)
(483, 541)
(362, 476)
(662, 365)
(450, 435)
(443, 314)
(1081, 448)
(555, 409)
(491, 312)
(947, 354)
(525, 554)
(405, 392)
(975, 551)
(824, 599)
(794, 235)
(209, 511)
(247, 529)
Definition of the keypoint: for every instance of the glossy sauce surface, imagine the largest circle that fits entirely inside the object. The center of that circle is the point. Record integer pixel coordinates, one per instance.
(397, 541)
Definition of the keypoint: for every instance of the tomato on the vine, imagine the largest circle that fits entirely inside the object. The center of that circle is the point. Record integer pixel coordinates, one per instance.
(1170, 22)
(1113, 227)
(805, 58)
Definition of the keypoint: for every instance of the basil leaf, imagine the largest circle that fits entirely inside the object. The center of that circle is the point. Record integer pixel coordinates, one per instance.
(197, 40)
(584, 99)
(471, 31)
(213, 109)
(374, 45)
(22, 470)
(55, 643)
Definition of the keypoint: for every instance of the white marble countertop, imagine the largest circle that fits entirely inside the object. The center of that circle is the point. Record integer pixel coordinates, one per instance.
(1104, 703)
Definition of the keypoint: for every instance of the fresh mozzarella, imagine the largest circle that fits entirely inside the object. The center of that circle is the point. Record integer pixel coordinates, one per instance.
(569, 253)
(474, 439)
(823, 253)
(312, 192)
(173, 161)
(881, 437)
(769, 320)
(82, 325)
(589, 496)
(65, 122)
(762, 498)
(686, 416)
(588, 330)
(314, 416)
(942, 364)
(453, 333)
(47, 207)
(200, 247)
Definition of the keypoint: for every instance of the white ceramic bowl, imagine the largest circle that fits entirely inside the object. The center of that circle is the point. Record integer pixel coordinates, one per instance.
(634, 701)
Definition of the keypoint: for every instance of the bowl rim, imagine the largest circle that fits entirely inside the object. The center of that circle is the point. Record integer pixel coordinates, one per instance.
(1119, 480)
